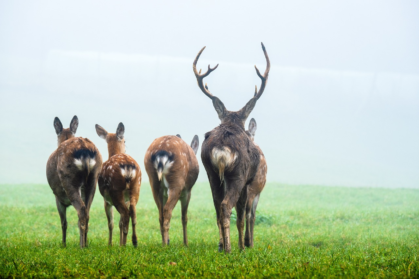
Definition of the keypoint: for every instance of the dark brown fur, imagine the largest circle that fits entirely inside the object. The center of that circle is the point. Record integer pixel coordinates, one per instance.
(236, 176)
(70, 184)
(230, 158)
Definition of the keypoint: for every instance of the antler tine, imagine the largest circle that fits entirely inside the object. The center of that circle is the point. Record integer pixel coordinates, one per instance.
(200, 78)
(264, 78)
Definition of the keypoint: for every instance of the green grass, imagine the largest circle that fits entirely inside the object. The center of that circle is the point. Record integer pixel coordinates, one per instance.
(302, 231)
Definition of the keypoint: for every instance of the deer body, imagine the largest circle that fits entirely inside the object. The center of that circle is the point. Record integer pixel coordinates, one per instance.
(230, 158)
(119, 184)
(240, 162)
(72, 173)
(254, 189)
(172, 169)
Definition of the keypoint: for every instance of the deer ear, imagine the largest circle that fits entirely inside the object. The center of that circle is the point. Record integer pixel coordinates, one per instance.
(58, 126)
(247, 109)
(120, 131)
(101, 132)
(195, 144)
(252, 127)
(219, 107)
(74, 124)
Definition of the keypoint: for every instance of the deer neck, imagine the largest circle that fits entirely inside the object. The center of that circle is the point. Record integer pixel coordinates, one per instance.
(114, 149)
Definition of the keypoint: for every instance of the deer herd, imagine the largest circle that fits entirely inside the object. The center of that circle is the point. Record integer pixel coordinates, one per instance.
(235, 165)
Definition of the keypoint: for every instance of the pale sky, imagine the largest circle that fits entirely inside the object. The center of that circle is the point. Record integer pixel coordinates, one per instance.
(340, 108)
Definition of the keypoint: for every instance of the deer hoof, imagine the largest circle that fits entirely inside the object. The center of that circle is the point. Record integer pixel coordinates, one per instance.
(220, 247)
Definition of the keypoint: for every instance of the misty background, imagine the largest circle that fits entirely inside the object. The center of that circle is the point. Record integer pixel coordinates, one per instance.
(341, 105)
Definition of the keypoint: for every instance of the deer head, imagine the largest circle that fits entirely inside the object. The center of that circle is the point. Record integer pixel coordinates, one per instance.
(116, 142)
(226, 116)
(65, 134)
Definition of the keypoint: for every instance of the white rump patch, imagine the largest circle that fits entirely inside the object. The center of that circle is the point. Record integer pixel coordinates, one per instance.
(92, 163)
(224, 154)
(167, 164)
(85, 162)
(79, 163)
(128, 172)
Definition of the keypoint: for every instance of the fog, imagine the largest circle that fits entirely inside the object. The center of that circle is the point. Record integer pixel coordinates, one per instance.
(340, 108)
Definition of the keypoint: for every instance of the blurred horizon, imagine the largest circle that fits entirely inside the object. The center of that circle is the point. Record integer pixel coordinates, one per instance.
(340, 107)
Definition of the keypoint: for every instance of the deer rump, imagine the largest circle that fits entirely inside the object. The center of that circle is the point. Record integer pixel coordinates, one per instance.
(85, 159)
(230, 153)
(117, 174)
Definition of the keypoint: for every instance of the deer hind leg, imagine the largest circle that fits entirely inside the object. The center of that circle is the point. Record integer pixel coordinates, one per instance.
(133, 200)
(119, 203)
(185, 203)
(158, 198)
(89, 193)
(247, 239)
(253, 218)
(133, 214)
(73, 193)
(218, 195)
(240, 209)
(109, 215)
(62, 211)
(174, 195)
(231, 198)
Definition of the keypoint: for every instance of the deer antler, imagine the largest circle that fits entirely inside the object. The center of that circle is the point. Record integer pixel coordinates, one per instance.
(264, 78)
(200, 78)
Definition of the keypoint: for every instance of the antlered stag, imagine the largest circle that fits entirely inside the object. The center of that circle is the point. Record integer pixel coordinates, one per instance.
(172, 169)
(72, 173)
(230, 157)
(119, 184)
(254, 188)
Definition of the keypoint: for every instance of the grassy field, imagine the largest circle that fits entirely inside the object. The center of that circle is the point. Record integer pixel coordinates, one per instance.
(302, 231)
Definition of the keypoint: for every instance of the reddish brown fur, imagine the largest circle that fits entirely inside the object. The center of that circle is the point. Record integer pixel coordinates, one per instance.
(181, 177)
(118, 190)
(70, 184)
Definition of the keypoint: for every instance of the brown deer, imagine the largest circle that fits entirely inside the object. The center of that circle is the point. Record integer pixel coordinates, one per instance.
(230, 157)
(254, 188)
(119, 184)
(72, 173)
(172, 169)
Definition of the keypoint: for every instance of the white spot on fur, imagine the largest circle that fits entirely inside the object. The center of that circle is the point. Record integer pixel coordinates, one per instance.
(89, 162)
